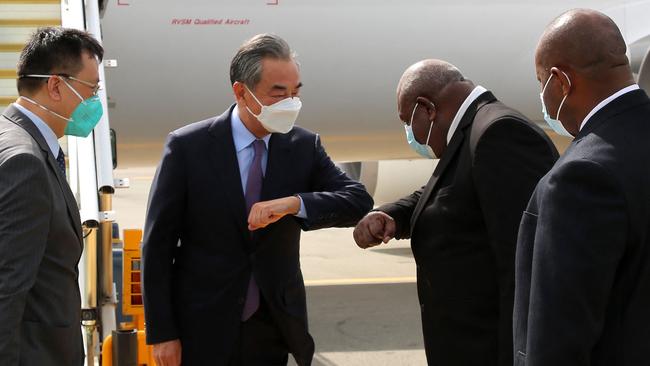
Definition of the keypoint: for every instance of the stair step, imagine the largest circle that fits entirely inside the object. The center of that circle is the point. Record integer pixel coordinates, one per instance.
(35, 2)
(29, 23)
(7, 74)
(8, 87)
(29, 11)
(13, 35)
(9, 60)
(18, 21)
(11, 47)
(5, 101)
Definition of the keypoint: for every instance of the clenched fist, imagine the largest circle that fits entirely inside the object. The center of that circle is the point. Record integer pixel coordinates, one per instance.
(375, 228)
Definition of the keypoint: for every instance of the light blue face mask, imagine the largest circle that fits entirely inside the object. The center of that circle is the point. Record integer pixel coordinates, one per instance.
(555, 124)
(423, 149)
(87, 114)
(85, 117)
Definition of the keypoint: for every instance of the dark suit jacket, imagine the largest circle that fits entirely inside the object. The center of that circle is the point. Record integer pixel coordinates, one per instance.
(40, 247)
(195, 291)
(583, 254)
(463, 230)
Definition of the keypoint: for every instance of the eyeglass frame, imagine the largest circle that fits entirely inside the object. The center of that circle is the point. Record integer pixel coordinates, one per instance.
(95, 87)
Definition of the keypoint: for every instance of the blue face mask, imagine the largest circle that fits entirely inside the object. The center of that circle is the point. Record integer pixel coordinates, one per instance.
(555, 124)
(87, 114)
(85, 117)
(423, 149)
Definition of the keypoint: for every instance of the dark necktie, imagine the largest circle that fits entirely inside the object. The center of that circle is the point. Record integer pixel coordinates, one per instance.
(253, 192)
(61, 160)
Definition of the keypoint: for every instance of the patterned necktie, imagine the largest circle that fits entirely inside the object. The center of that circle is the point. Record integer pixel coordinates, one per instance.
(61, 160)
(253, 192)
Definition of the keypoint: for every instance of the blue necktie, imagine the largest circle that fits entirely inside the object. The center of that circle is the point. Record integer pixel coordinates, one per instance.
(253, 193)
(61, 160)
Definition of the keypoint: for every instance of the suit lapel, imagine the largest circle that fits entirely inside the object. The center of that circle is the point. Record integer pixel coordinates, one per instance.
(13, 114)
(450, 152)
(448, 156)
(67, 193)
(224, 160)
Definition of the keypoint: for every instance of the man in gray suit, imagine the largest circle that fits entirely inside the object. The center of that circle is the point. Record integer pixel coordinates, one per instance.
(40, 229)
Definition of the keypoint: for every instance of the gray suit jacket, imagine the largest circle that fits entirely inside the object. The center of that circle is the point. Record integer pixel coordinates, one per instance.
(40, 247)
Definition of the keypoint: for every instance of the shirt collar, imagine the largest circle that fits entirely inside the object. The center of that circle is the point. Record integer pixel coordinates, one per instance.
(241, 135)
(478, 90)
(606, 101)
(45, 130)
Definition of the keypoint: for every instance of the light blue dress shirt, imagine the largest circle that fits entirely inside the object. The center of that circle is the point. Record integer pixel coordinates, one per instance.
(43, 128)
(243, 140)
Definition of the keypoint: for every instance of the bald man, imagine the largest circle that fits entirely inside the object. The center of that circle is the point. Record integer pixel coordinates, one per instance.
(463, 223)
(583, 254)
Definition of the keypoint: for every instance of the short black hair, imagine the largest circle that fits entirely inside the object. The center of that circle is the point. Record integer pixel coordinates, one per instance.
(54, 50)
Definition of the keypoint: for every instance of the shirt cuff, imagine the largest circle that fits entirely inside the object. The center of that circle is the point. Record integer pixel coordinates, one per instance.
(303, 212)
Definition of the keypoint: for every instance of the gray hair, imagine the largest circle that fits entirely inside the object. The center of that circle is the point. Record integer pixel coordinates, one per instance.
(246, 66)
(428, 78)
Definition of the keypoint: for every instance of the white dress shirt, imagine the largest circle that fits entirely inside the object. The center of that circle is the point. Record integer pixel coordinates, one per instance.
(606, 101)
(478, 90)
(243, 140)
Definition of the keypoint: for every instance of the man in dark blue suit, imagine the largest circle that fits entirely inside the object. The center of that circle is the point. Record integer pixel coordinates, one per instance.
(582, 293)
(222, 279)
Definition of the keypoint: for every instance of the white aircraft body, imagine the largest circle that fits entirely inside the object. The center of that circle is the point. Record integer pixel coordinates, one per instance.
(168, 64)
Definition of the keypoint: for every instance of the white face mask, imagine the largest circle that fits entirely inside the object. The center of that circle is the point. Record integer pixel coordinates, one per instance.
(278, 117)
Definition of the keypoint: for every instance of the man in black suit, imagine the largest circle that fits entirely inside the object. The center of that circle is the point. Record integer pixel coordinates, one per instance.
(220, 289)
(463, 223)
(583, 255)
(40, 229)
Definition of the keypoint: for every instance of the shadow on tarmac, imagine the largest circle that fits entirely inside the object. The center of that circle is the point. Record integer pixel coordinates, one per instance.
(361, 318)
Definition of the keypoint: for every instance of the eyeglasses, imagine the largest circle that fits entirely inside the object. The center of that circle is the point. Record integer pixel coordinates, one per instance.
(94, 87)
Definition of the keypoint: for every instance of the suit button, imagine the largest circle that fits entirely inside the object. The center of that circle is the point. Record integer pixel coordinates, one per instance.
(240, 301)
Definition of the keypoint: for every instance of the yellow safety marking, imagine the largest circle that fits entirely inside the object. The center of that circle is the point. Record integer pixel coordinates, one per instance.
(29, 22)
(7, 100)
(7, 74)
(360, 281)
(11, 47)
(13, 2)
